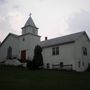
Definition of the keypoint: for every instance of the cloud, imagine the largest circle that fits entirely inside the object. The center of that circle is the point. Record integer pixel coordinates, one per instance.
(79, 22)
(2, 1)
(11, 18)
(12, 22)
(49, 15)
(15, 20)
(4, 25)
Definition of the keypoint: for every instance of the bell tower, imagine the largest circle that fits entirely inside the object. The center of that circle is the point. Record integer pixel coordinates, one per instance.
(30, 27)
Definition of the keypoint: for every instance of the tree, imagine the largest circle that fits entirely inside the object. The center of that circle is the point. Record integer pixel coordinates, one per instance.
(37, 59)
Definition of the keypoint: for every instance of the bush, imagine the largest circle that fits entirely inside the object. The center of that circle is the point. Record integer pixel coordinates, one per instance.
(37, 59)
(30, 64)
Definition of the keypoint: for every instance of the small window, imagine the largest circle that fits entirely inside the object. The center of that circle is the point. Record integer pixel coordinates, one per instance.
(84, 51)
(48, 65)
(23, 39)
(55, 51)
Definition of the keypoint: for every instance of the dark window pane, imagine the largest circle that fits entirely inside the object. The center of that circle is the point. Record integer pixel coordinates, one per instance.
(53, 51)
(85, 51)
(48, 66)
(9, 52)
(57, 50)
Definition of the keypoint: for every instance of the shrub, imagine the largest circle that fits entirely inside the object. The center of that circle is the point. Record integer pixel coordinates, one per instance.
(37, 59)
(30, 64)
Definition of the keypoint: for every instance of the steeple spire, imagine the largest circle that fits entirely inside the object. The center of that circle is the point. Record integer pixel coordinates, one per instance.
(30, 26)
(30, 22)
(30, 14)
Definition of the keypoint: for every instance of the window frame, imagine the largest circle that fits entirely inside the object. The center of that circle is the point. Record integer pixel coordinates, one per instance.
(84, 51)
(55, 51)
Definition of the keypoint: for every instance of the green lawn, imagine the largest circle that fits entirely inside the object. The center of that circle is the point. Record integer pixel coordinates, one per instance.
(22, 79)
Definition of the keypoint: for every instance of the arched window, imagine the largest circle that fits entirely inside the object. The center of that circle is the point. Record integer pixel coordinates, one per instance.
(9, 52)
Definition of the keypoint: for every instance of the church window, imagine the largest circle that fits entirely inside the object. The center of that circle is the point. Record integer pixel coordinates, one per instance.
(55, 51)
(9, 52)
(84, 51)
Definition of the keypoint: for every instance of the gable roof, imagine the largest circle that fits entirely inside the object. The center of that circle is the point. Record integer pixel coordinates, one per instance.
(62, 40)
(10, 34)
(30, 22)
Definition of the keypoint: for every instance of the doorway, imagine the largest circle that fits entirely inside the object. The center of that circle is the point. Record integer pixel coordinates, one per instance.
(23, 56)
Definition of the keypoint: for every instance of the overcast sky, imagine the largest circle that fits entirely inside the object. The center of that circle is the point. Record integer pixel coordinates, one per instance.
(54, 18)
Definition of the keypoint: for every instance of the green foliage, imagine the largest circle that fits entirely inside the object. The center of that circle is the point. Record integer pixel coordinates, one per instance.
(37, 59)
(30, 64)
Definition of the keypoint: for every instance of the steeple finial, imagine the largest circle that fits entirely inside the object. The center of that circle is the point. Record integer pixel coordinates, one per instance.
(30, 14)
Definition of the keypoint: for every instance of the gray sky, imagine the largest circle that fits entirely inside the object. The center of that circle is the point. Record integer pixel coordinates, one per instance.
(54, 18)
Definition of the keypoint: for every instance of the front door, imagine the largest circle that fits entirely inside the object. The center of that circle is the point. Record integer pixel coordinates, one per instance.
(23, 56)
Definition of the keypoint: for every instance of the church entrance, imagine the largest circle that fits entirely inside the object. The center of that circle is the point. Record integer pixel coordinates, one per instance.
(23, 56)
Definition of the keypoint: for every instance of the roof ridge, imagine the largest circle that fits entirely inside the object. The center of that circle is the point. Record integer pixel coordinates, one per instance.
(62, 40)
(65, 35)
(16, 36)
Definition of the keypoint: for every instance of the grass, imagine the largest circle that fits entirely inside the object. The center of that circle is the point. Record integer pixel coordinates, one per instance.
(12, 78)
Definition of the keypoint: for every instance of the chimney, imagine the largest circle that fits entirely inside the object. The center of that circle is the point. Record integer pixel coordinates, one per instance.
(45, 38)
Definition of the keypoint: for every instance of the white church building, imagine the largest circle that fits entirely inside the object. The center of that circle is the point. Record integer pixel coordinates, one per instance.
(73, 50)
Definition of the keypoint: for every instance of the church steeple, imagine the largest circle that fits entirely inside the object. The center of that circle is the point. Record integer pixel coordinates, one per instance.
(30, 27)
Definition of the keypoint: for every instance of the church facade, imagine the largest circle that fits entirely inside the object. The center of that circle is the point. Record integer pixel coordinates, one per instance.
(73, 51)
(21, 46)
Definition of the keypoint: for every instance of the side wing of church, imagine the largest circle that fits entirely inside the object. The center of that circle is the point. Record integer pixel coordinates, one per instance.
(72, 51)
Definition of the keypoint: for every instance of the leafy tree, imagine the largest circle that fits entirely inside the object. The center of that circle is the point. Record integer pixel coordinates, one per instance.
(37, 59)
